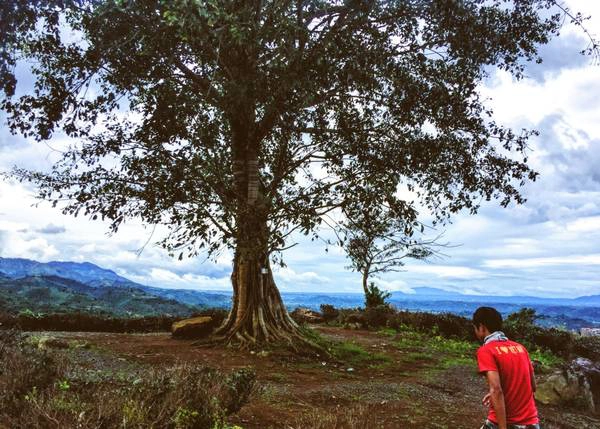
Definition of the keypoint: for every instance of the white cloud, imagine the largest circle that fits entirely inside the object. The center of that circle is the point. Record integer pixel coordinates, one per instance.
(52, 229)
(448, 271)
(15, 246)
(290, 276)
(584, 224)
(161, 277)
(578, 260)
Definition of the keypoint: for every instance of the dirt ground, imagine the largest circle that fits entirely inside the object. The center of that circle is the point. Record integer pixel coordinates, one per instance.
(294, 393)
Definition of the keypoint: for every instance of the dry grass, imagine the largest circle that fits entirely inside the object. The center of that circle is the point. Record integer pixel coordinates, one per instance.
(354, 417)
(44, 389)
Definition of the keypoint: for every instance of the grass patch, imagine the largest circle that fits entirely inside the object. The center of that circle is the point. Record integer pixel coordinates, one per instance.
(347, 351)
(353, 353)
(381, 365)
(352, 417)
(267, 392)
(278, 376)
(419, 357)
(548, 359)
(387, 332)
(434, 350)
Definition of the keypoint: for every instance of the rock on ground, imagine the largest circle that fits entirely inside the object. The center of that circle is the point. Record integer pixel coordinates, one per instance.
(577, 382)
(196, 327)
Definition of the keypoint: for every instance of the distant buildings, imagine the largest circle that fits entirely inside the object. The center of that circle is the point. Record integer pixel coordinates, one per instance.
(590, 332)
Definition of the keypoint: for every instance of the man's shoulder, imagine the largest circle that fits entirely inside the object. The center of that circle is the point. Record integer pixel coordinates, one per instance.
(485, 348)
(517, 344)
(501, 347)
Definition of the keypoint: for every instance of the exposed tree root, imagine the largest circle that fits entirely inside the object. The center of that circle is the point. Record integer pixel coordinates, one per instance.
(258, 319)
(295, 342)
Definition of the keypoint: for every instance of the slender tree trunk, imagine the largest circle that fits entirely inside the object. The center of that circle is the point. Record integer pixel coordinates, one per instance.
(365, 278)
(366, 270)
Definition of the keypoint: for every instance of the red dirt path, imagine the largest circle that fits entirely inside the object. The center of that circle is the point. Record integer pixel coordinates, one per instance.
(298, 393)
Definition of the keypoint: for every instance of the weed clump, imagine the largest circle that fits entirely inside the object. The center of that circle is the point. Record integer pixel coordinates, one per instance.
(24, 370)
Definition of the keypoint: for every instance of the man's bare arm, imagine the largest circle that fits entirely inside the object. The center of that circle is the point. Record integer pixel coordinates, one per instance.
(497, 397)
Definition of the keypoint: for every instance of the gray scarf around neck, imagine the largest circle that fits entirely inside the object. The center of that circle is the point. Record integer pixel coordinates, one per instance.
(495, 336)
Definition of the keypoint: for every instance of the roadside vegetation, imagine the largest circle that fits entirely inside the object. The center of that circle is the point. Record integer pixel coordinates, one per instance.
(549, 346)
(27, 320)
(71, 385)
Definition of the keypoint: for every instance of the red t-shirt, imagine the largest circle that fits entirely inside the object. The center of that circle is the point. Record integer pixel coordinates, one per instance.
(512, 362)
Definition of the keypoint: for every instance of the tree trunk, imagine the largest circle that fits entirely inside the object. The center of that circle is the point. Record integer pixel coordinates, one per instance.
(366, 270)
(365, 278)
(258, 314)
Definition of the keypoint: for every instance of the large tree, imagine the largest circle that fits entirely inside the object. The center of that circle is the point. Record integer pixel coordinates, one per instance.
(238, 122)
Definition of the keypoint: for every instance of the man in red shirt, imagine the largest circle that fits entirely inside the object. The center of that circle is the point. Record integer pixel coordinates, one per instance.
(509, 374)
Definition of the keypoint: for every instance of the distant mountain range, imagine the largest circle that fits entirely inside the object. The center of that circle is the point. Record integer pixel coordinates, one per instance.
(68, 286)
(71, 286)
(95, 277)
(51, 294)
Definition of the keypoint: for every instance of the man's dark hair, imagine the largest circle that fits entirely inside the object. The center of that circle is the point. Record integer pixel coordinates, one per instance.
(489, 317)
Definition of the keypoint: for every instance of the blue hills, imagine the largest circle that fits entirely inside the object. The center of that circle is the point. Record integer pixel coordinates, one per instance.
(72, 286)
(95, 277)
(67, 286)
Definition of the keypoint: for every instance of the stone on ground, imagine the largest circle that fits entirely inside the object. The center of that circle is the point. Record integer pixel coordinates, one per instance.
(196, 327)
(306, 315)
(577, 382)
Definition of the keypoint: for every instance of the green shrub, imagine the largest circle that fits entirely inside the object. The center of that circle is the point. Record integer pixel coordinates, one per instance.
(349, 316)
(587, 347)
(375, 297)
(446, 324)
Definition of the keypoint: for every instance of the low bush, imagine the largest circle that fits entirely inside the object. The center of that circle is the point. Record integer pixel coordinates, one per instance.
(587, 347)
(37, 391)
(519, 326)
(559, 342)
(23, 369)
(329, 312)
(446, 324)
(85, 322)
(352, 316)
(378, 316)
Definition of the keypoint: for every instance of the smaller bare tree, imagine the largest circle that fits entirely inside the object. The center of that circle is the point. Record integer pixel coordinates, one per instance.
(377, 241)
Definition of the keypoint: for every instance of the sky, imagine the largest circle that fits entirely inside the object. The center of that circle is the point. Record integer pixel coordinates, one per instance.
(548, 247)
